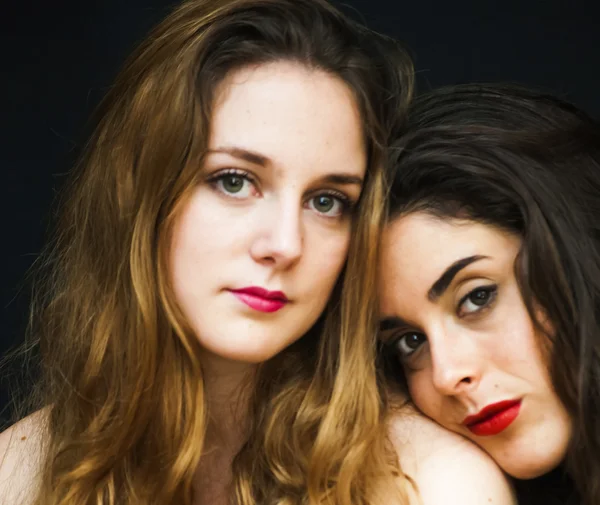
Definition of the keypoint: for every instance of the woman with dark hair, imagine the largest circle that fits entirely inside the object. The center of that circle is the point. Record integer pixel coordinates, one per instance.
(490, 278)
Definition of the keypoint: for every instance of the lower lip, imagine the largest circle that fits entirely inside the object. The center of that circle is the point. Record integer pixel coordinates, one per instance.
(259, 303)
(496, 423)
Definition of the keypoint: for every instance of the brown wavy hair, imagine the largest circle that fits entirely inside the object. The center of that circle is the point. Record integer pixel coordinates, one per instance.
(120, 370)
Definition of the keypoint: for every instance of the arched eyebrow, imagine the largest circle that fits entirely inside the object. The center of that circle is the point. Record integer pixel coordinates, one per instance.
(262, 160)
(440, 286)
(243, 154)
(343, 179)
(391, 323)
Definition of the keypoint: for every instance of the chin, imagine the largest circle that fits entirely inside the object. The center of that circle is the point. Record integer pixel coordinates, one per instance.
(524, 471)
(250, 353)
(251, 358)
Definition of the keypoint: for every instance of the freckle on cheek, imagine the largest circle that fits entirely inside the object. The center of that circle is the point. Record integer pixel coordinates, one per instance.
(23, 438)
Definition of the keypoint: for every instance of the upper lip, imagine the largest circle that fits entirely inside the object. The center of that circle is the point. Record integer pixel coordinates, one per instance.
(262, 293)
(489, 411)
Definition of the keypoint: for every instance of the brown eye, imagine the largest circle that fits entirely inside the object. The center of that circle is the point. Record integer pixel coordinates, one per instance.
(409, 342)
(477, 299)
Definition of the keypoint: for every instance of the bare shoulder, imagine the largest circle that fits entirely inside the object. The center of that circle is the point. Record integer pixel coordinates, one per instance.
(446, 468)
(21, 449)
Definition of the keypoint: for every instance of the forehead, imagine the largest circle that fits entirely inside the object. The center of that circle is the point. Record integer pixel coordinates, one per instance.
(417, 248)
(290, 114)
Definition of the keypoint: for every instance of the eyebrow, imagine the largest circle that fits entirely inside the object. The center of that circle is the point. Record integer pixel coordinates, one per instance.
(259, 159)
(390, 323)
(343, 179)
(243, 154)
(441, 285)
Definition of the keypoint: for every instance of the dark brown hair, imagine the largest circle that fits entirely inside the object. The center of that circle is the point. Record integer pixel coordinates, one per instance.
(529, 163)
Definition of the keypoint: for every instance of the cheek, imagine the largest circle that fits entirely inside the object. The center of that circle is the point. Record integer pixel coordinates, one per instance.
(203, 237)
(514, 345)
(423, 394)
(207, 228)
(325, 254)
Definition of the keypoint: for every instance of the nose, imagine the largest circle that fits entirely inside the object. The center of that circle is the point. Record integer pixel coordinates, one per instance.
(455, 361)
(281, 236)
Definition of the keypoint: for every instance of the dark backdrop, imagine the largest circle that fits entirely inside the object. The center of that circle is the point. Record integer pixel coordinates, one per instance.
(58, 58)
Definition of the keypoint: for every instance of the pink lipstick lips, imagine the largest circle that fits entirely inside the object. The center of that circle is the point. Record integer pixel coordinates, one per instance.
(494, 418)
(261, 299)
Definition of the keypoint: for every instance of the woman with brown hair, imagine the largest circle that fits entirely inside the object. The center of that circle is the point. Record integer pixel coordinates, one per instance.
(206, 316)
(202, 236)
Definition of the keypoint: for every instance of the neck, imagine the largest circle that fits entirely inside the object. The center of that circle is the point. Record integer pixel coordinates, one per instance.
(228, 388)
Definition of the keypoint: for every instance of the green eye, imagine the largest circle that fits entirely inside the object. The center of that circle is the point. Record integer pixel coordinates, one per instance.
(329, 205)
(324, 203)
(233, 183)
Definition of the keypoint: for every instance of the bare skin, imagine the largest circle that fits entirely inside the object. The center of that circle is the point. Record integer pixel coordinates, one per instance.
(21, 450)
(446, 468)
(227, 395)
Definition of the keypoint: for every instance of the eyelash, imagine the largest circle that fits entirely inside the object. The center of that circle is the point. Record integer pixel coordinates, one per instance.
(215, 178)
(491, 290)
(395, 342)
(347, 203)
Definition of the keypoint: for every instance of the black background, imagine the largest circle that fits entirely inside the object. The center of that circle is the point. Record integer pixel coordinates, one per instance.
(58, 58)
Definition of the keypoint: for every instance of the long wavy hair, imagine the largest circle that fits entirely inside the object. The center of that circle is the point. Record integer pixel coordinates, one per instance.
(528, 163)
(120, 373)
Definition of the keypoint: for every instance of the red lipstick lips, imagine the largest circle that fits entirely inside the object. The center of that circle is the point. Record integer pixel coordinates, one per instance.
(494, 418)
(261, 299)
